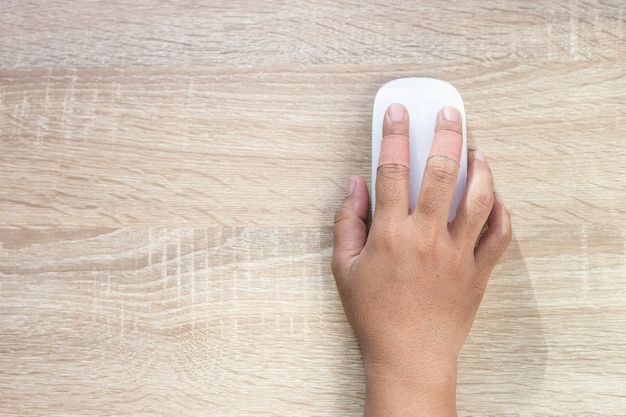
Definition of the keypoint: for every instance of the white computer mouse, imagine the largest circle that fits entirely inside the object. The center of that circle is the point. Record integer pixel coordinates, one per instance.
(423, 98)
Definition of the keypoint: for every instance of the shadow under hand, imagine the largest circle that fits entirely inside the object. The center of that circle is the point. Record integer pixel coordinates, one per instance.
(502, 364)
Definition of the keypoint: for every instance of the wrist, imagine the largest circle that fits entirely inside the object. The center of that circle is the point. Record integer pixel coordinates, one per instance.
(410, 390)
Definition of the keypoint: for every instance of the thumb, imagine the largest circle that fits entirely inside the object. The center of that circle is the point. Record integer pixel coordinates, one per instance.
(350, 231)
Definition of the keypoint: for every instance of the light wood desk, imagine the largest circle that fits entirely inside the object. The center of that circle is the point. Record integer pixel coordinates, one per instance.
(169, 172)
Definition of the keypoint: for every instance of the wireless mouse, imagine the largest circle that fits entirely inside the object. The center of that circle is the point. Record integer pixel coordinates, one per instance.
(423, 98)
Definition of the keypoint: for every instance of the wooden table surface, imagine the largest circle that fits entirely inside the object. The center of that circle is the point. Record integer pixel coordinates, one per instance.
(170, 170)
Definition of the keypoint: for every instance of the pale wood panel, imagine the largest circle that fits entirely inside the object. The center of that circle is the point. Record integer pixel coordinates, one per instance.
(248, 321)
(166, 232)
(217, 321)
(200, 146)
(125, 33)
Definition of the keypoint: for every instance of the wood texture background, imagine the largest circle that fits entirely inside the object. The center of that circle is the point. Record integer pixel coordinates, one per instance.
(169, 172)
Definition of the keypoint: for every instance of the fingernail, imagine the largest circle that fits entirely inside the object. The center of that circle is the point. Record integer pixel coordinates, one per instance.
(479, 155)
(451, 114)
(498, 198)
(396, 112)
(351, 186)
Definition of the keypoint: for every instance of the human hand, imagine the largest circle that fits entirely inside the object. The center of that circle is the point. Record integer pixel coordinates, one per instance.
(411, 288)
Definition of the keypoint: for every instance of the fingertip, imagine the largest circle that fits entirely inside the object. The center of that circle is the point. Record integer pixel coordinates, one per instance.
(479, 156)
(449, 114)
(350, 232)
(448, 139)
(396, 120)
(449, 118)
(351, 186)
(357, 196)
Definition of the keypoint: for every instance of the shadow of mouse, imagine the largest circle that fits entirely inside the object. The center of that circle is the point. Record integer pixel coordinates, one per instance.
(504, 357)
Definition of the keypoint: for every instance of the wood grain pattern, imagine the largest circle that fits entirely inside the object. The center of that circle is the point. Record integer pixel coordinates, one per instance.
(169, 172)
(125, 33)
(110, 150)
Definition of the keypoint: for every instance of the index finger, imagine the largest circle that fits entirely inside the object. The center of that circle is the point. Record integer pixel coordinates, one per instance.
(392, 175)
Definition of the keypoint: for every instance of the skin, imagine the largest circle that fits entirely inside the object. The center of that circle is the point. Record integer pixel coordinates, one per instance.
(412, 286)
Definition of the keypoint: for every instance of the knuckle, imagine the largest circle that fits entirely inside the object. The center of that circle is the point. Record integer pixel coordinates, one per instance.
(504, 236)
(428, 247)
(502, 239)
(342, 214)
(387, 240)
(442, 170)
(392, 173)
(481, 199)
(388, 237)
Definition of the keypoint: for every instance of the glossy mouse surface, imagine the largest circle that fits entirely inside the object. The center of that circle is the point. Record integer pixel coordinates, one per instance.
(423, 98)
